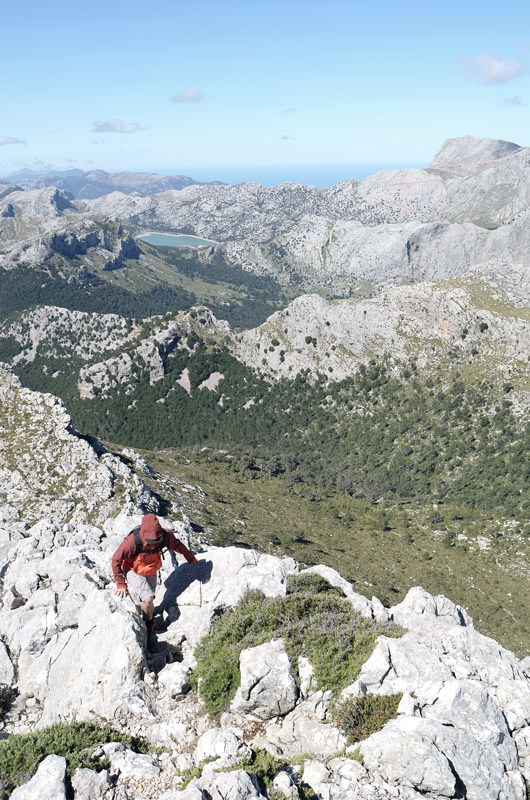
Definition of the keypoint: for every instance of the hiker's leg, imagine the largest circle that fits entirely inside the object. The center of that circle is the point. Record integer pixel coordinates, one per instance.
(148, 608)
(142, 592)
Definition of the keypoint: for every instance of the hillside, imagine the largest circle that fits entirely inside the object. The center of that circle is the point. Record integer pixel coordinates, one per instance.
(389, 401)
(267, 678)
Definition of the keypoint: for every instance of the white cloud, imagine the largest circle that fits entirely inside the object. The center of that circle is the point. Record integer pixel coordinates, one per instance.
(290, 110)
(187, 96)
(116, 126)
(492, 69)
(511, 102)
(10, 140)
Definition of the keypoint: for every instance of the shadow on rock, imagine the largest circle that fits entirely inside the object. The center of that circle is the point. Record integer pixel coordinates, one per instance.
(182, 578)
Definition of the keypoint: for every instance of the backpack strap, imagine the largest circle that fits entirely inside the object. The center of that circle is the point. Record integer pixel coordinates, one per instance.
(137, 541)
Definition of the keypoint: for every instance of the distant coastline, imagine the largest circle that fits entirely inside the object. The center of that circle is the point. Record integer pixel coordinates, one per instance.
(322, 176)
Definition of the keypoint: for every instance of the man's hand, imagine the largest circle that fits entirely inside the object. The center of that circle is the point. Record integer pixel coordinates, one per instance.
(121, 591)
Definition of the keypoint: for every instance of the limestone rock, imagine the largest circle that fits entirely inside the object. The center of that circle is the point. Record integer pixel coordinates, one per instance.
(217, 582)
(284, 784)
(6, 666)
(175, 679)
(128, 764)
(419, 606)
(47, 782)
(303, 730)
(222, 745)
(431, 758)
(267, 687)
(75, 651)
(236, 785)
(90, 785)
(467, 153)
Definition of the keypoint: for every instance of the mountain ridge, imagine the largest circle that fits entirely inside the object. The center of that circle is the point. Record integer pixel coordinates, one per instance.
(97, 182)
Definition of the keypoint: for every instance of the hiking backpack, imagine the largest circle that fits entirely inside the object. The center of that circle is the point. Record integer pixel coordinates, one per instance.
(144, 562)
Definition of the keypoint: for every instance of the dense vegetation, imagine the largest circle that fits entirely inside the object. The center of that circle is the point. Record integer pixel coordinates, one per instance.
(359, 717)
(383, 434)
(21, 754)
(246, 301)
(313, 619)
(27, 287)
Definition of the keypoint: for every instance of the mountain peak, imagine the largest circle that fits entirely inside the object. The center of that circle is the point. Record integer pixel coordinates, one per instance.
(467, 153)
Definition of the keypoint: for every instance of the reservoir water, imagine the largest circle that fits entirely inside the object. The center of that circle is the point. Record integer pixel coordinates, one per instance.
(179, 240)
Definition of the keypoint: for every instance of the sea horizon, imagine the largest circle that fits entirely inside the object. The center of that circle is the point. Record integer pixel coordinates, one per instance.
(320, 175)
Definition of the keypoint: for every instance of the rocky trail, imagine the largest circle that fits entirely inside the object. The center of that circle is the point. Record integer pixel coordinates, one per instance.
(74, 651)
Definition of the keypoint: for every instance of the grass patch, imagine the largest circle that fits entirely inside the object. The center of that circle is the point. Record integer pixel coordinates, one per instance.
(313, 619)
(359, 717)
(21, 754)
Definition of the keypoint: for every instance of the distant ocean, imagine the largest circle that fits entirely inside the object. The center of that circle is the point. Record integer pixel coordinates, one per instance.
(320, 175)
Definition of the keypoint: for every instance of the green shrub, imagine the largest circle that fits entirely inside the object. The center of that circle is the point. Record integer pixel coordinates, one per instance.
(21, 754)
(7, 694)
(313, 619)
(359, 717)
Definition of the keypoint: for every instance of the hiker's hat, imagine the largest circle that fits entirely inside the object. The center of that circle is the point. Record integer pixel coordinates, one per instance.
(151, 531)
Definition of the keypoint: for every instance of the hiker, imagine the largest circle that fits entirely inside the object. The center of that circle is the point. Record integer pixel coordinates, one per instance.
(137, 561)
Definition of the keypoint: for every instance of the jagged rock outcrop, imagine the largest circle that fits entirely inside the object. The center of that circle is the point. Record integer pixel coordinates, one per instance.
(475, 314)
(462, 726)
(481, 315)
(47, 468)
(69, 245)
(267, 687)
(127, 248)
(49, 781)
(8, 211)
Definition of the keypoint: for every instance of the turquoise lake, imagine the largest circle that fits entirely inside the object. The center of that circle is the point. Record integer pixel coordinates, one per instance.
(165, 240)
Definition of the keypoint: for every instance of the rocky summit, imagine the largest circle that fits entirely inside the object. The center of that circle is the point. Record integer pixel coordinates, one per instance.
(74, 651)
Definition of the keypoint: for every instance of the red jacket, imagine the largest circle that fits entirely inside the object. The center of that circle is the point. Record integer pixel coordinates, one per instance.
(123, 558)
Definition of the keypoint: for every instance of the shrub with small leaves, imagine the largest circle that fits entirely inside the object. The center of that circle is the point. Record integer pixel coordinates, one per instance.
(314, 620)
(7, 695)
(21, 754)
(359, 717)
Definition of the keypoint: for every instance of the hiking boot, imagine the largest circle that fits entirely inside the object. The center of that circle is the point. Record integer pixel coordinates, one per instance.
(150, 625)
(152, 641)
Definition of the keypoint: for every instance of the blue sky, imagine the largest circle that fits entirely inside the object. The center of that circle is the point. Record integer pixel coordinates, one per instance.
(168, 86)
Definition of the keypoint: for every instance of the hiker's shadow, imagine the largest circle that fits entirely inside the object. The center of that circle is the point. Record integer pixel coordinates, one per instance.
(179, 580)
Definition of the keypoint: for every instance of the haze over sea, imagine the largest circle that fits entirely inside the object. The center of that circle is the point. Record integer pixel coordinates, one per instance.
(320, 175)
